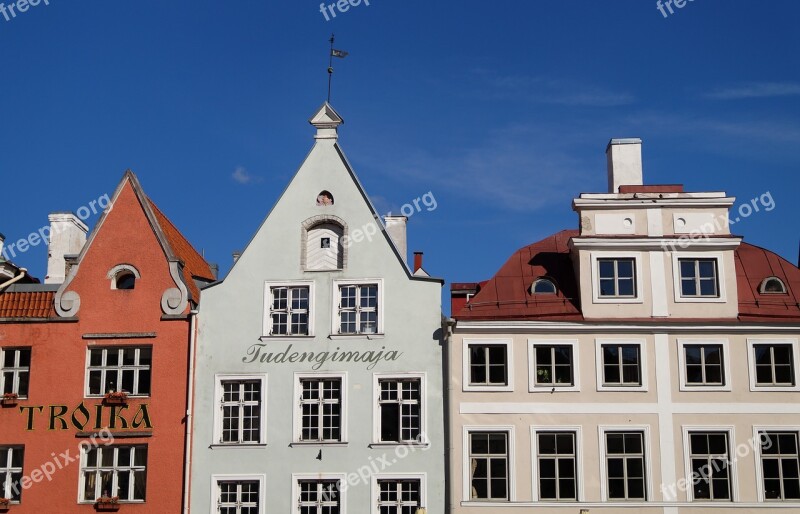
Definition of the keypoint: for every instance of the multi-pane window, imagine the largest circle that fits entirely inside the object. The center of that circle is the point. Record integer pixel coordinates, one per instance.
(358, 309)
(625, 466)
(780, 465)
(319, 497)
(622, 365)
(400, 405)
(704, 364)
(11, 472)
(557, 464)
(289, 310)
(399, 496)
(238, 497)
(489, 465)
(16, 371)
(488, 364)
(110, 471)
(699, 278)
(774, 364)
(709, 460)
(125, 369)
(321, 409)
(554, 365)
(241, 411)
(617, 278)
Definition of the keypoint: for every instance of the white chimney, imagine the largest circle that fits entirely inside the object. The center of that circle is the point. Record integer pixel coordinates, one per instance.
(2, 240)
(624, 158)
(67, 237)
(396, 227)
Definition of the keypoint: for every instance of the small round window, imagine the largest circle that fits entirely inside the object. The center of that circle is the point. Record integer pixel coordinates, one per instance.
(544, 286)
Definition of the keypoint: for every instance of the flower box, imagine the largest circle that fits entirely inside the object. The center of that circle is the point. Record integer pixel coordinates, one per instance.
(9, 399)
(106, 504)
(116, 398)
(5, 504)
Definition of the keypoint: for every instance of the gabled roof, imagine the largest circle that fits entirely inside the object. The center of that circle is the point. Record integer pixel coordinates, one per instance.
(753, 265)
(27, 305)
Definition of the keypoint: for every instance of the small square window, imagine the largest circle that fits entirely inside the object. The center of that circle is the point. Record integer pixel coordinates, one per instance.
(774, 365)
(488, 365)
(699, 278)
(289, 310)
(617, 277)
(15, 370)
(325, 242)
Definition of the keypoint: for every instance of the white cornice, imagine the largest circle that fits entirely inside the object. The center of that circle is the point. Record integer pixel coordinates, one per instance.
(676, 243)
(606, 326)
(648, 202)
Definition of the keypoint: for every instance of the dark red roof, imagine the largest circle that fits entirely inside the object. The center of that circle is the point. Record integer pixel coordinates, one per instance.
(507, 294)
(34, 304)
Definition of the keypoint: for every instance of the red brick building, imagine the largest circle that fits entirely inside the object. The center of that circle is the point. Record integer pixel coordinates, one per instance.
(95, 370)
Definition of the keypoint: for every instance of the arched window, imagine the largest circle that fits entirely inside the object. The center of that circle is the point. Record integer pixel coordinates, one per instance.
(324, 247)
(544, 286)
(126, 280)
(123, 277)
(324, 198)
(772, 285)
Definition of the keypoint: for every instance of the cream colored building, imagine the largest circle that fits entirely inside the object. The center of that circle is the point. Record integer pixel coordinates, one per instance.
(646, 362)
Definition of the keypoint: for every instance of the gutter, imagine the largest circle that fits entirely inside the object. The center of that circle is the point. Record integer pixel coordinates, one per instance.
(19, 277)
(189, 410)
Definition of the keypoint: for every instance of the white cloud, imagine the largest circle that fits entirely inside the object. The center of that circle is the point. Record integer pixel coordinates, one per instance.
(756, 90)
(242, 176)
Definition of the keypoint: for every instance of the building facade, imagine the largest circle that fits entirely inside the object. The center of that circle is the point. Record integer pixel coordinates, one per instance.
(319, 372)
(94, 365)
(646, 362)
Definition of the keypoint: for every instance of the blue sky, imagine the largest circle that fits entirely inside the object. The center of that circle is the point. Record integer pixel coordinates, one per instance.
(502, 110)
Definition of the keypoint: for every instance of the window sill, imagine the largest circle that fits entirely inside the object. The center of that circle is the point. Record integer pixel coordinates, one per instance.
(237, 446)
(488, 389)
(356, 336)
(689, 388)
(617, 299)
(622, 388)
(318, 443)
(282, 336)
(774, 389)
(395, 445)
(700, 299)
(553, 389)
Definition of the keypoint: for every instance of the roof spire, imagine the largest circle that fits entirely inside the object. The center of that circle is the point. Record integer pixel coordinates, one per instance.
(334, 53)
(326, 120)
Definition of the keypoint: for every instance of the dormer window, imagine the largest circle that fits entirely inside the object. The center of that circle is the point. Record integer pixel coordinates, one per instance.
(772, 285)
(123, 277)
(544, 286)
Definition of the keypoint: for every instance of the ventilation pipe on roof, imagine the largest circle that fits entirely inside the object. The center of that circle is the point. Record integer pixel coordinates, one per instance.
(236, 256)
(417, 261)
(22, 273)
(624, 158)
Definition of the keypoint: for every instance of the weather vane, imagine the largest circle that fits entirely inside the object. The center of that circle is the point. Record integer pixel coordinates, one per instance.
(334, 53)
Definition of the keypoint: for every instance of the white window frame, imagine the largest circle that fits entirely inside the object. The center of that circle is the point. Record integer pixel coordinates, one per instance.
(465, 465)
(466, 386)
(533, 387)
(376, 411)
(297, 416)
(757, 455)
(317, 477)
(216, 479)
(676, 277)
(579, 475)
(751, 361)
(335, 320)
(267, 308)
(84, 453)
(726, 364)
(16, 369)
(5, 465)
(648, 460)
(423, 487)
(732, 468)
(639, 278)
(120, 366)
(219, 378)
(599, 343)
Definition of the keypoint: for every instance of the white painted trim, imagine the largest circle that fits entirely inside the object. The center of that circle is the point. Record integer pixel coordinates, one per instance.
(343, 486)
(648, 244)
(297, 424)
(595, 276)
(648, 458)
(105, 347)
(593, 327)
(644, 376)
(751, 364)
(217, 432)
(267, 318)
(376, 395)
(381, 329)
(756, 447)
(788, 407)
(732, 468)
(658, 285)
(665, 409)
(578, 430)
(465, 467)
(726, 365)
(262, 489)
(375, 492)
(670, 507)
(576, 371)
(721, 277)
(655, 222)
(466, 387)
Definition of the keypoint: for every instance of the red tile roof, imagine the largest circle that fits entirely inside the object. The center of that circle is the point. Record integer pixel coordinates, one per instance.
(38, 304)
(507, 294)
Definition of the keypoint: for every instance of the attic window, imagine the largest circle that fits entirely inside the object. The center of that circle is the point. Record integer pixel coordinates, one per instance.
(123, 277)
(772, 285)
(126, 280)
(544, 286)
(324, 199)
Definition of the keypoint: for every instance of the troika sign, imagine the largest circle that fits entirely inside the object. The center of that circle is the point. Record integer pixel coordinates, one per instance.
(82, 417)
(259, 353)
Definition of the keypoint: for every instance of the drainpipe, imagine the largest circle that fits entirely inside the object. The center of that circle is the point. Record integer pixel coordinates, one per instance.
(19, 277)
(187, 465)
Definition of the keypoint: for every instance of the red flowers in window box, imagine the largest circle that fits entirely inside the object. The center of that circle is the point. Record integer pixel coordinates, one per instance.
(116, 398)
(106, 504)
(5, 503)
(9, 399)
